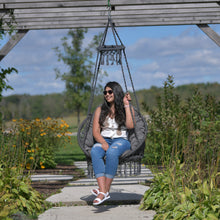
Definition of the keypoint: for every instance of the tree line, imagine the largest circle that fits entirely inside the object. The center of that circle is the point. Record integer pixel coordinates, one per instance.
(54, 105)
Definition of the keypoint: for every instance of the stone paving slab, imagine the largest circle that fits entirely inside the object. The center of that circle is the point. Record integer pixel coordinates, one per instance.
(116, 181)
(81, 195)
(113, 212)
(47, 177)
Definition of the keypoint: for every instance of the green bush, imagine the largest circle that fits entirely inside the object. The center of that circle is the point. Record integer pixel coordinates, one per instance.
(184, 137)
(173, 198)
(16, 194)
(177, 125)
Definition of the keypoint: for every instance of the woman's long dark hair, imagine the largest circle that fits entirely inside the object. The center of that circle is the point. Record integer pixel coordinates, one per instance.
(119, 105)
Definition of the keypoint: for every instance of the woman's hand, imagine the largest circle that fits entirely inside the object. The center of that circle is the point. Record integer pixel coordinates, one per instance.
(128, 112)
(126, 99)
(105, 146)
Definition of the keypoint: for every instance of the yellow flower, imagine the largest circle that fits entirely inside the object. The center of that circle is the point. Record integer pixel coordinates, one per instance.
(29, 151)
(31, 158)
(48, 118)
(42, 167)
(32, 150)
(37, 119)
(26, 143)
(14, 120)
(28, 166)
(42, 134)
(59, 136)
(41, 163)
(13, 145)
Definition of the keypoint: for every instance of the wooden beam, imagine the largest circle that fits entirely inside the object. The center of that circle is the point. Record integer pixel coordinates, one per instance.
(113, 2)
(102, 23)
(210, 33)
(103, 3)
(60, 4)
(48, 12)
(123, 18)
(11, 43)
(54, 14)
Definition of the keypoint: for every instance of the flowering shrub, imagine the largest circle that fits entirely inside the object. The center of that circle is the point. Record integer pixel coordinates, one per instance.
(28, 145)
(40, 139)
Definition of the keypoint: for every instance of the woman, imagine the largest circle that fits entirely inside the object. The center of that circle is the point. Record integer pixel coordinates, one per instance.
(110, 124)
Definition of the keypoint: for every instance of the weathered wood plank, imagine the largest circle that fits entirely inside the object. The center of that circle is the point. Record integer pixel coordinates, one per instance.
(98, 16)
(60, 4)
(101, 24)
(91, 10)
(141, 2)
(134, 13)
(88, 11)
(120, 19)
(166, 6)
(63, 4)
(116, 2)
(59, 10)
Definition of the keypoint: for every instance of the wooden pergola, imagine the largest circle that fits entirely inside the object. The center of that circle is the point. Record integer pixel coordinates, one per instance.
(66, 14)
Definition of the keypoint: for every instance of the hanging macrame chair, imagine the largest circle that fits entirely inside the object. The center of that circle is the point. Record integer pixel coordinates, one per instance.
(114, 54)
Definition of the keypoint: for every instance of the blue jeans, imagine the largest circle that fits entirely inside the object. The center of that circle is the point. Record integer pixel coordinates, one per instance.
(116, 148)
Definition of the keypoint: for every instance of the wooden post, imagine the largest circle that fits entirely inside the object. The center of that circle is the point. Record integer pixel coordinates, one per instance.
(210, 33)
(11, 43)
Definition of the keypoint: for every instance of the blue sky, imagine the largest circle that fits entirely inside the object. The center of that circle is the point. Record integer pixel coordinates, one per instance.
(153, 52)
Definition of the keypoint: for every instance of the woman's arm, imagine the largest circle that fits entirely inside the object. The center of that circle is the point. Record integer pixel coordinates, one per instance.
(129, 120)
(96, 130)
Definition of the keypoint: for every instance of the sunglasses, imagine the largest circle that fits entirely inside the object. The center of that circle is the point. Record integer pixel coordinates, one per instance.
(109, 92)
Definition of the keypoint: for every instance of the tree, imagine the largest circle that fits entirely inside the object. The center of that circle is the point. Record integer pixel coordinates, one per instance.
(79, 61)
(3, 72)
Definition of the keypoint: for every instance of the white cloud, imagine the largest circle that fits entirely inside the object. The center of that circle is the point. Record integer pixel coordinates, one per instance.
(190, 56)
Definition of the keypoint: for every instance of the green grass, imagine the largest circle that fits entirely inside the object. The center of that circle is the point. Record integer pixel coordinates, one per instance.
(70, 153)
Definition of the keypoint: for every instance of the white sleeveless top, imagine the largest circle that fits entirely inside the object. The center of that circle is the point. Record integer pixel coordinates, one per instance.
(110, 129)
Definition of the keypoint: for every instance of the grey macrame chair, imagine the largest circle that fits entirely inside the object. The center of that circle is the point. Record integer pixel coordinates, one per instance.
(113, 54)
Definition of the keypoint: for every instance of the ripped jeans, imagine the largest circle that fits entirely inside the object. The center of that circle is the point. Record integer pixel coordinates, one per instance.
(116, 148)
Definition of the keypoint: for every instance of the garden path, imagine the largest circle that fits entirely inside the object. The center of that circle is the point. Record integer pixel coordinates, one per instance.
(75, 200)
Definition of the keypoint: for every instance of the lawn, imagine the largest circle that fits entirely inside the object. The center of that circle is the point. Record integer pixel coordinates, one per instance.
(72, 121)
(70, 153)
